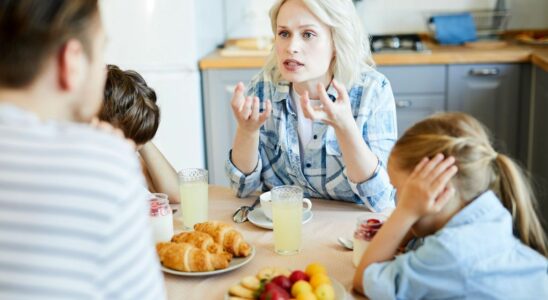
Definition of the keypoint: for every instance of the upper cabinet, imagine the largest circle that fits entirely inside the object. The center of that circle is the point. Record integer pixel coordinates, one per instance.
(491, 94)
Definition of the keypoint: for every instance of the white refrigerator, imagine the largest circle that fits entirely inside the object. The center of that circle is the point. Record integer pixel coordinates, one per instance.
(157, 38)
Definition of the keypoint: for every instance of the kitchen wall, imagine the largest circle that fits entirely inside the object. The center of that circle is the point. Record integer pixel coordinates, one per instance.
(401, 16)
(390, 16)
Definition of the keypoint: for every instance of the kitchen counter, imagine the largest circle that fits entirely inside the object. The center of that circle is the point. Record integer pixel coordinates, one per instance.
(511, 53)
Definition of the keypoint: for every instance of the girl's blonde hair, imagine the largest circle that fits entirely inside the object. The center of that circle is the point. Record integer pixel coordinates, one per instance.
(351, 43)
(480, 168)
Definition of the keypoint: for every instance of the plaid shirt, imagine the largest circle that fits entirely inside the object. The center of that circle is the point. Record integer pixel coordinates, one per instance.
(322, 174)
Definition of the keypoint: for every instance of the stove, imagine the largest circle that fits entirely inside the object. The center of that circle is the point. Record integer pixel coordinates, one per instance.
(398, 43)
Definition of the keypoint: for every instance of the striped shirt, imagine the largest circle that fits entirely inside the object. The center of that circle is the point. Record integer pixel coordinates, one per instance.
(322, 174)
(73, 214)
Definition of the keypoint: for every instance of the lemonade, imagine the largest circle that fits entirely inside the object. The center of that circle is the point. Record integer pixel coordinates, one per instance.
(194, 203)
(287, 227)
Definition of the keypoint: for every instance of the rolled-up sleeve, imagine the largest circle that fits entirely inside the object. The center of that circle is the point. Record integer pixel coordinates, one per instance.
(241, 183)
(377, 118)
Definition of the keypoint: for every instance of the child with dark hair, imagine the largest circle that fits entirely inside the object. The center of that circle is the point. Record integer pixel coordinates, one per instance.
(130, 104)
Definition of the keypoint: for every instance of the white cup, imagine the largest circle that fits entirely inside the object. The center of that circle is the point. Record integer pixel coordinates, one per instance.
(266, 205)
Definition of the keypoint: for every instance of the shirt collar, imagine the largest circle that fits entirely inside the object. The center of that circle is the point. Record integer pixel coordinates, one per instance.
(485, 207)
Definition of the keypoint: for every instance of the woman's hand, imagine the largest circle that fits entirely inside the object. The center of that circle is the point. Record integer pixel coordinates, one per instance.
(246, 110)
(427, 189)
(337, 114)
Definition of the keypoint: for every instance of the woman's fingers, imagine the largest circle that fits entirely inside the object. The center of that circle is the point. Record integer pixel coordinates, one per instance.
(341, 90)
(266, 112)
(325, 100)
(419, 167)
(238, 99)
(255, 109)
(246, 110)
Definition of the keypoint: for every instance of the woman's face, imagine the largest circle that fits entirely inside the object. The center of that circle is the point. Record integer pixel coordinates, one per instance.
(304, 45)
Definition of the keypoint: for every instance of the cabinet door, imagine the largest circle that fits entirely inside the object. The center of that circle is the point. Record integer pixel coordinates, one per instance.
(419, 91)
(490, 93)
(539, 154)
(220, 124)
(412, 108)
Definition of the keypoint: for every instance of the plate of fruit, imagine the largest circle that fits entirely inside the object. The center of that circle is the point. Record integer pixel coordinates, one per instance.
(275, 283)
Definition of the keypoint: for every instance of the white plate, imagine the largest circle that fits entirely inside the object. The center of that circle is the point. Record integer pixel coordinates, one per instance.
(258, 218)
(235, 263)
(340, 293)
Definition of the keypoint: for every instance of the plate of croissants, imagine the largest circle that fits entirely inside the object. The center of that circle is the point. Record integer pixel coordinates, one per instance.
(211, 248)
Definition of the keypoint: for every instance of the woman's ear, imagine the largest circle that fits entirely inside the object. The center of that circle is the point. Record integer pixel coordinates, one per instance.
(71, 63)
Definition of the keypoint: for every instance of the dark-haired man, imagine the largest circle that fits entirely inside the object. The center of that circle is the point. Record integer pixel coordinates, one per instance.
(73, 221)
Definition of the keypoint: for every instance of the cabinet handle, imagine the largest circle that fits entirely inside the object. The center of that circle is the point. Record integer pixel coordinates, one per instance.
(403, 103)
(485, 72)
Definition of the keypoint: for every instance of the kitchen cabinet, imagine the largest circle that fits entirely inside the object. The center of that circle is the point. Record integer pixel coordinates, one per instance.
(419, 91)
(220, 125)
(538, 159)
(490, 93)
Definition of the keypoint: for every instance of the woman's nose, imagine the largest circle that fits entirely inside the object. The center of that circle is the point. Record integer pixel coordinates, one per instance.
(293, 46)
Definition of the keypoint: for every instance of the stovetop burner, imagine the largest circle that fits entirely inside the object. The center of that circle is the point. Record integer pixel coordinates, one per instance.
(397, 43)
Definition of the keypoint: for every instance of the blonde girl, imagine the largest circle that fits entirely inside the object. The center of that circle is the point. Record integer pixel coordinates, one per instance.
(475, 210)
(318, 115)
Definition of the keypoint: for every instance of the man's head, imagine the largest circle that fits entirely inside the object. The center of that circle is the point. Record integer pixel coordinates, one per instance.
(53, 49)
(130, 104)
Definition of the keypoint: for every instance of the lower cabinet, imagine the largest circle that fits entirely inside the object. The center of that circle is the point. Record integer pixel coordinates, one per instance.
(490, 93)
(220, 125)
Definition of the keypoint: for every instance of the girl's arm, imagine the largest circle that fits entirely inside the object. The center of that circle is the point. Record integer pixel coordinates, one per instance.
(425, 192)
(161, 173)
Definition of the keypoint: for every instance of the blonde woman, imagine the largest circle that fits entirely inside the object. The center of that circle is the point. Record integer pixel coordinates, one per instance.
(476, 212)
(318, 115)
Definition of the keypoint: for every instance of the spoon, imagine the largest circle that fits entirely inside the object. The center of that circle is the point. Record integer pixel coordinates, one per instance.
(240, 215)
(347, 243)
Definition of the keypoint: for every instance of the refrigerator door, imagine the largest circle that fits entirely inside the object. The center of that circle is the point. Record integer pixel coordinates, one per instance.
(150, 34)
(180, 135)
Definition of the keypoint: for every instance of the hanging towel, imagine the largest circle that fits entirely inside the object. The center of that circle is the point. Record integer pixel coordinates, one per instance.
(455, 28)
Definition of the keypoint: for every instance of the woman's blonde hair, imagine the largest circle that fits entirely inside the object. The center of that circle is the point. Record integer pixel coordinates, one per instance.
(351, 43)
(480, 168)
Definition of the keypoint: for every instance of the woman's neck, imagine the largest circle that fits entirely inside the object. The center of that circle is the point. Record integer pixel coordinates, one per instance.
(312, 86)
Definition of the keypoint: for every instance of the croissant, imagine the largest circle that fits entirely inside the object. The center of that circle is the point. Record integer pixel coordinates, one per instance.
(198, 239)
(187, 258)
(231, 240)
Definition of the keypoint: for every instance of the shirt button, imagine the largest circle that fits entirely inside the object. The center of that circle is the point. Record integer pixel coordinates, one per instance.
(308, 165)
(315, 136)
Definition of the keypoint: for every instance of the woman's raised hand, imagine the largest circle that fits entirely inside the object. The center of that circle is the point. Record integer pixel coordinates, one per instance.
(427, 188)
(336, 113)
(247, 110)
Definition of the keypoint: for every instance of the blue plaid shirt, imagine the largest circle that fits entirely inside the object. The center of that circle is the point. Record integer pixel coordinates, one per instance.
(322, 173)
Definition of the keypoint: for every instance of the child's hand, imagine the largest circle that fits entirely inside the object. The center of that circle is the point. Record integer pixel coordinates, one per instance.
(107, 127)
(336, 114)
(426, 190)
(246, 110)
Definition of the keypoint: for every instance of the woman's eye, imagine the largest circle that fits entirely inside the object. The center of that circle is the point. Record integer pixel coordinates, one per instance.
(307, 35)
(283, 34)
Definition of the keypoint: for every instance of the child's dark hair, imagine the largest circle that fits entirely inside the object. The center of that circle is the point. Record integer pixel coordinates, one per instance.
(130, 104)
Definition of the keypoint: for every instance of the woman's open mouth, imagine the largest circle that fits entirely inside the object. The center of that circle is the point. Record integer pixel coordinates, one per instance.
(292, 65)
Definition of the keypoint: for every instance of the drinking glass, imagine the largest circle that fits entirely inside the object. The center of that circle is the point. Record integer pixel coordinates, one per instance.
(193, 184)
(287, 213)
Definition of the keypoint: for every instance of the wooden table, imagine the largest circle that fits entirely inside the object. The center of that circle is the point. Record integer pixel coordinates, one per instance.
(331, 219)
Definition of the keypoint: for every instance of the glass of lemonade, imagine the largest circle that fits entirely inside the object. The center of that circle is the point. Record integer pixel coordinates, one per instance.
(193, 186)
(287, 212)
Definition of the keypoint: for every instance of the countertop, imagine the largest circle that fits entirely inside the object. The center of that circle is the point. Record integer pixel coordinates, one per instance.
(511, 53)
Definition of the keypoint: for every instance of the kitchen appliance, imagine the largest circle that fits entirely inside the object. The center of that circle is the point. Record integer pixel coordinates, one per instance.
(398, 43)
